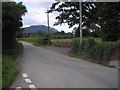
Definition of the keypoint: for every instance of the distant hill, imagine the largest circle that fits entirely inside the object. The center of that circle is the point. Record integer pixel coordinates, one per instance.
(36, 28)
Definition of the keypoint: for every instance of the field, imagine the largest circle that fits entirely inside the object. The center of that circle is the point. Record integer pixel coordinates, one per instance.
(61, 40)
(70, 40)
(36, 40)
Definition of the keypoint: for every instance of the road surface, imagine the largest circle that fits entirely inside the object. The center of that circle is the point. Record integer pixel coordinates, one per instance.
(49, 69)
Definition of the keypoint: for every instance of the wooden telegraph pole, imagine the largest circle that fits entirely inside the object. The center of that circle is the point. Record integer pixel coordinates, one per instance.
(80, 5)
(48, 20)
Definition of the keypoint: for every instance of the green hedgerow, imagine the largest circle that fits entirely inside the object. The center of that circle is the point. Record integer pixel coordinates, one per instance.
(94, 49)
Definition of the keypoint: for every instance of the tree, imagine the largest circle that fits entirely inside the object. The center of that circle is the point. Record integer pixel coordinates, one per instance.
(11, 23)
(85, 31)
(62, 32)
(69, 13)
(109, 20)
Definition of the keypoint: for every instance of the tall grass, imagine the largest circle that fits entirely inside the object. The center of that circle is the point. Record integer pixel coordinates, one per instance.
(9, 67)
(9, 71)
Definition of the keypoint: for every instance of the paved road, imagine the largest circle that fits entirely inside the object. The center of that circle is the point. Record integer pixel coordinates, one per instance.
(49, 69)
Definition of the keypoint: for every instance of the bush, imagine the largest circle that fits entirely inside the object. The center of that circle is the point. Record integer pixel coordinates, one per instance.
(14, 51)
(46, 40)
(103, 51)
(95, 50)
(88, 45)
(75, 46)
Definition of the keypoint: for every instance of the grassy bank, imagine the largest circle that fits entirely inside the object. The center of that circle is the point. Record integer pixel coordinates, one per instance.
(94, 50)
(89, 59)
(9, 71)
(9, 68)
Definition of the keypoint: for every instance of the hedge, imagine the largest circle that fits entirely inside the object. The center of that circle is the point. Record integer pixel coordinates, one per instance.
(95, 50)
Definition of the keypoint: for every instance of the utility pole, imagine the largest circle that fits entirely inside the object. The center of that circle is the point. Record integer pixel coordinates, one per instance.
(80, 6)
(48, 20)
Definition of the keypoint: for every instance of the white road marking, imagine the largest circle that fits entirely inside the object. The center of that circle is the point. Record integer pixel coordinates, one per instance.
(18, 88)
(28, 81)
(32, 86)
(25, 75)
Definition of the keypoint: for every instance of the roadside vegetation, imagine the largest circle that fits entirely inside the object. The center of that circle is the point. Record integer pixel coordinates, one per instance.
(92, 50)
(9, 68)
(11, 48)
(9, 71)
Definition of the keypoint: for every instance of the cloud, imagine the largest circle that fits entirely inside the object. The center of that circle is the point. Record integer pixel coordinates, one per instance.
(39, 4)
(36, 14)
(33, 0)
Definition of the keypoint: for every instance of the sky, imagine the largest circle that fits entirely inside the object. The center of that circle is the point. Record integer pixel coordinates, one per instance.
(36, 14)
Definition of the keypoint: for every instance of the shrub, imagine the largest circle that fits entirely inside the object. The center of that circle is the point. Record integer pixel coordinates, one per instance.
(103, 51)
(14, 51)
(94, 49)
(46, 40)
(75, 46)
(88, 45)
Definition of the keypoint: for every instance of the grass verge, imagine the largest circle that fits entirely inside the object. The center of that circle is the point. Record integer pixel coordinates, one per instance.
(89, 59)
(9, 71)
(9, 68)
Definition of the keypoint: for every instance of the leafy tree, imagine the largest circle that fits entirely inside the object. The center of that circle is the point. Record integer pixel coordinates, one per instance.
(109, 20)
(105, 14)
(69, 13)
(11, 23)
(62, 32)
(86, 32)
(20, 33)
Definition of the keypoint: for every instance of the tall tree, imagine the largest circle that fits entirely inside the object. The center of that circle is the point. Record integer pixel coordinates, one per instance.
(109, 20)
(11, 23)
(106, 14)
(69, 13)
